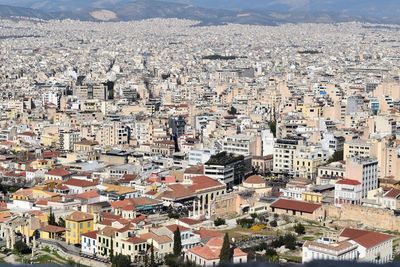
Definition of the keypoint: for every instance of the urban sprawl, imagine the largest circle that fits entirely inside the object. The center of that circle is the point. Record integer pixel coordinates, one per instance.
(161, 142)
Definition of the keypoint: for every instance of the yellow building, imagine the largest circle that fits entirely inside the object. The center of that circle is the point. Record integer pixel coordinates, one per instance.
(78, 223)
(311, 197)
(34, 220)
(40, 164)
(34, 194)
(52, 232)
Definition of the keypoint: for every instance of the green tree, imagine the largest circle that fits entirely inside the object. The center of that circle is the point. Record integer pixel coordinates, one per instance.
(22, 248)
(289, 241)
(272, 127)
(271, 255)
(120, 260)
(171, 260)
(232, 111)
(219, 221)
(273, 223)
(52, 218)
(299, 229)
(152, 258)
(61, 222)
(226, 253)
(337, 156)
(177, 243)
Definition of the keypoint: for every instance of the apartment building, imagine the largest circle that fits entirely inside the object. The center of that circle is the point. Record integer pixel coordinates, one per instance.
(284, 154)
(363, 170)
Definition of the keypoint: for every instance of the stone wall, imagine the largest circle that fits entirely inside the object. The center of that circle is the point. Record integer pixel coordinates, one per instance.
(369, 217)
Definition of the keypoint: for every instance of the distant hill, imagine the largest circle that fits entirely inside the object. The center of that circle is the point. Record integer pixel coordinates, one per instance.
(264, 12)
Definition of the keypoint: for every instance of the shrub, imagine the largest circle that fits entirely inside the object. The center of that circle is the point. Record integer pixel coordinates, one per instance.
(22, 248)
(219, 222)
(299, 229)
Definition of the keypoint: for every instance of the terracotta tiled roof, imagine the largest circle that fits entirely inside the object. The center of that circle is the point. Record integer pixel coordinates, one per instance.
(87, 195)
(190, 221)
(79, 183)
(107, 231)
(92, 234)
(136, 240)
(367, 239)
(201, 183)
(41, 202)
(176, 191)
(289, 204)
(59, 172)
(348, 182)
(173, 228)
(160, 239)
(255, 179)
(205, 252)
(52, 229)
(79, 216)
(207, 234)
(392, 193)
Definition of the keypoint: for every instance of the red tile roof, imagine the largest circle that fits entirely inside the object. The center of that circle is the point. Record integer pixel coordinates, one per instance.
(173, 228)
(190, 221)
(92, 234)
(87, 195)
(58, 172)
(201, 183)
(136, 240)
(295, 205)
(79, 183)
(367, 239)
(176, 192)
(52, 229)
(255, 179)
(348, 182)
(206, 234)
(392, 193)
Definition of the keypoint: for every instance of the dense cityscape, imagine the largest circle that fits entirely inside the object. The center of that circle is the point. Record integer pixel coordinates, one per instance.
(164, 143)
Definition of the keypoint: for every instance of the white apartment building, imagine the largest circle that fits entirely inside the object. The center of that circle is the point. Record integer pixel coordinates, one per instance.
(239, 144)
(348, 191)
(352, 245)
(284, 154)
(198, 157)
(268, 141)
(68, 139)
(325, 250)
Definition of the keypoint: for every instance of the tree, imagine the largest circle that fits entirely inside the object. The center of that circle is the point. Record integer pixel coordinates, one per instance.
(219, 222)
(273, 223)
(226, 253)
(289, 241)
(22, 248)
(61, 222)
(232, 111)
(271, 255)
(272, 127)
(171, 260)
(299, 229)
(152, 258)
(120, 260)
(177, 243)
(337, 156)
(52, 218)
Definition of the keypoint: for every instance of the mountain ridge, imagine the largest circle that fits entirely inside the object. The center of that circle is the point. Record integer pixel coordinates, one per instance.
(206, 11)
